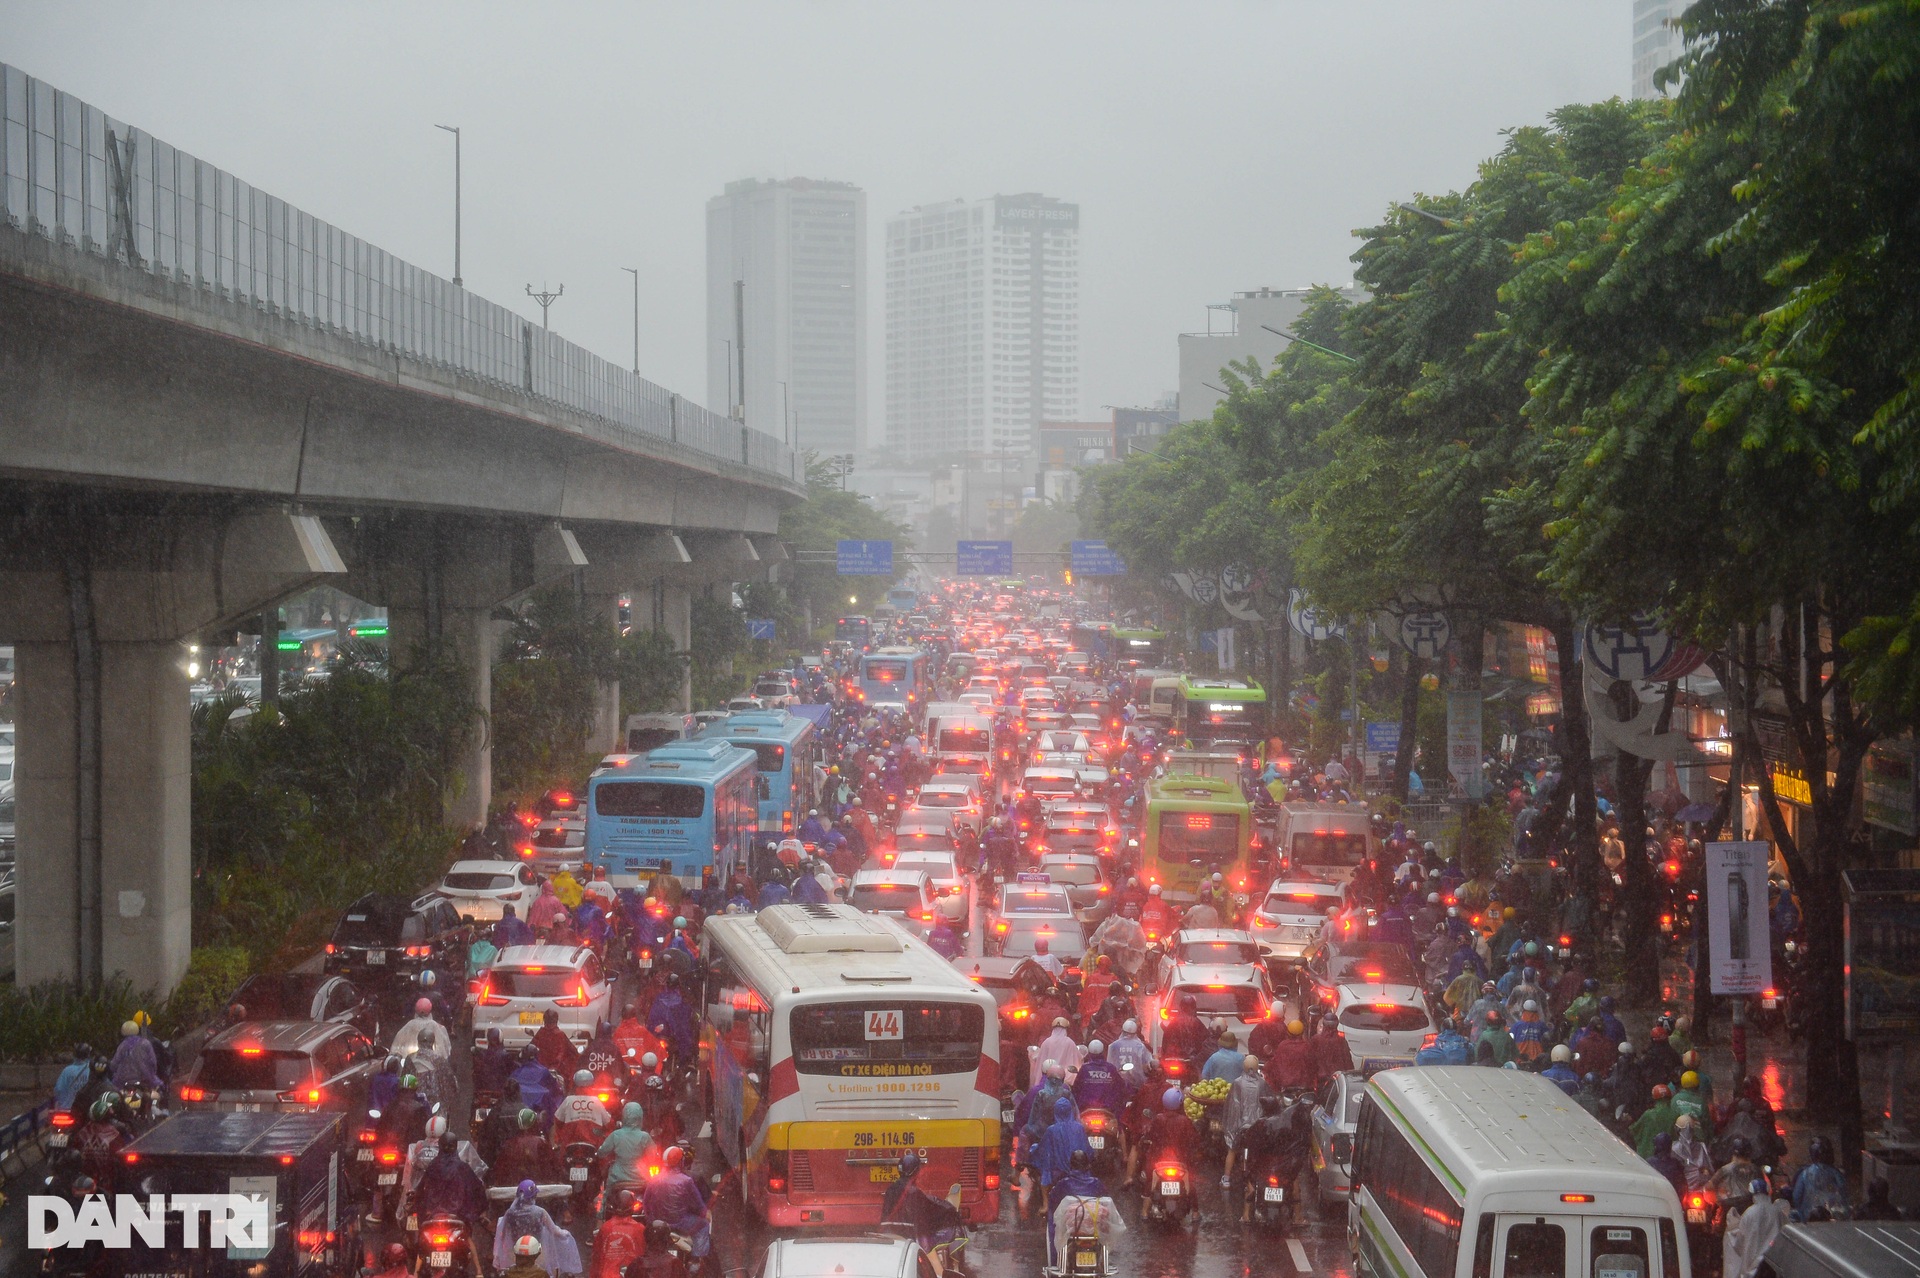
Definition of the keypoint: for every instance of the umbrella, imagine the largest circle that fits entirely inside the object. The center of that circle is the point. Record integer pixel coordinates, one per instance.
(1694, 813)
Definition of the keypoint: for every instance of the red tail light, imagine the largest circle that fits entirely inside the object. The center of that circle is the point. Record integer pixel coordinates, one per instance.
(488, 998)
(64, 1119)
(1169, 1172)
(388, 1156)
(330, 947)
(526, 851)
(440, 1240)
(303, 1096)
(368, 1135)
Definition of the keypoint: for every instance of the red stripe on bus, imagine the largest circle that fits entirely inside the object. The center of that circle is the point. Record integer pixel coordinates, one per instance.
(783, 1081)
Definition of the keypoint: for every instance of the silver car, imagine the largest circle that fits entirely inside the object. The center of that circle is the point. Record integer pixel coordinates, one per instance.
(952, 888)
(1085, 878)
(558, 843)
(1336, 1113)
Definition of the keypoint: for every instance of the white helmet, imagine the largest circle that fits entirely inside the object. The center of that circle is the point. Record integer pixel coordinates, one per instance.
(1154, 890)
(1433, 898)
(1562, 1053)
(1130, 1026)
(436, 1127)
(527, 1246)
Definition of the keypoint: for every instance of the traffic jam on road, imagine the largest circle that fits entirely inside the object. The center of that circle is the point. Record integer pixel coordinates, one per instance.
(974, 943)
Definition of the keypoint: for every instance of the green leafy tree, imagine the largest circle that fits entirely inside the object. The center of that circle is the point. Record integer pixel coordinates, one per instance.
(828, 515)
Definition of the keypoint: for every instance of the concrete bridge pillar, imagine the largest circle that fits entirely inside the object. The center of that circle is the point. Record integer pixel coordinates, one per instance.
(97, 597)
(442, 580)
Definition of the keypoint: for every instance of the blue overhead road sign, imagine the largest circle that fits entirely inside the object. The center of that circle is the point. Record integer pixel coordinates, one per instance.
(983, 558)
(759, 627)
(1093, 559)
(865, 559)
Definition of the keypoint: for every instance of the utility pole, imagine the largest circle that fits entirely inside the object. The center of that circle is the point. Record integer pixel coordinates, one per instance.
(786, 415)
(456, 201)
(635, 272)
(740, 339)
(545, 299)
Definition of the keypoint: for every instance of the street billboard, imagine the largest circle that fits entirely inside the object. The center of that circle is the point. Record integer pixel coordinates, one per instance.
(1739, 956)
(1094, 559)
(983, 558)
(864, 559)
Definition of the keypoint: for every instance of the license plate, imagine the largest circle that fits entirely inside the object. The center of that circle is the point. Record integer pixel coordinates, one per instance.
(530, 1018)
(1084, 1259)
(441, 1260)
(1769, 1003)
(1096, 1142)
(1169, 1189)
(1274, 1194)
(882, 1175)
(376, 958)
(56, 1140)
(366, 1155)
(578, 1175)
(413, 1223)
(389, 1178)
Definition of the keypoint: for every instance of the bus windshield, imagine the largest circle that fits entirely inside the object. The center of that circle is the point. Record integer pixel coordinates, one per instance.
(772, 756)
(1210, 837)
(965, 740)
(649, 799)
(885, 671)
(885, 1038)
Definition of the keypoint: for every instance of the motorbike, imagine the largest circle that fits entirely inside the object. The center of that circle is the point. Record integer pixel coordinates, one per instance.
(1085, 1257)
(444, 1245)
(1103, 1138)
(1169, 1193)
(1704, 1223)
(483, 1104)
(1272, 1203)
(384, 1177)
(579, 1156)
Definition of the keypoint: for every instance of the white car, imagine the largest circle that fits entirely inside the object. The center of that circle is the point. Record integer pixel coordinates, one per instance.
(906, 896)
(1051, 785)
(1384, 1025)
(557, 843)
(740, 705)
(1292, 915)
(1064, 740)
(774, 694)
(1089, 773)
(1030, 909)
(951, 886)
(869, 1256)
(1229, 999)
(524, 982)
(956, 799)
(478, 889)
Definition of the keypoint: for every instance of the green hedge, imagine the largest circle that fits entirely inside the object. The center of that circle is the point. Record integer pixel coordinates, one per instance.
(42, 1022)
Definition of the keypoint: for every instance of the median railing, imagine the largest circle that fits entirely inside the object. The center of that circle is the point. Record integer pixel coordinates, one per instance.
(72, 174)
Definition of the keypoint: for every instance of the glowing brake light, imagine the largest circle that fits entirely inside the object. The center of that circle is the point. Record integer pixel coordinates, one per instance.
(1769, 993)
(1576, 1198)
(388, 1155)
(1386, 1007)
(251, 1051)
(440, 1240)
(64, 1119)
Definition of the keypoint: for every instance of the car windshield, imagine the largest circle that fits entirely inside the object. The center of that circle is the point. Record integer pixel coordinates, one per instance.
(555, 982)
(933, 840)
(964, 740)
(1383, 1016)
(1219, 953)
(474, 881)
(560, 836)
(1300, 901)
(252, 1069)
(1076, 873)
(1375, 965)
(1243, 1001)
(378, 924)
(1053, 785)
(886, 897)
(277, 998)
(934, 867)
(942, 799)
(1036, 901)
(1329, 848)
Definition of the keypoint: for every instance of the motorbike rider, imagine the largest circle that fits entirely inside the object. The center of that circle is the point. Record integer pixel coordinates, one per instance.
(1085, 1211)
(1273, 1147)
(394, 1262)
(449, 1186)
(539, 1089)
(501, 1124)
(401, 1123)
(428, 983)
(1820, 1184)
(942, 939)
(98, 1142)
(623, 1153)
(527, 1156)
(1059, 1046)
(1170, 1135)
(580, 1116)
(423, 1034)
(672, 1019)
(1241, 1110)
(526, 1242)
(632, 1039)
(621, 1240)
(1226, 1059)
(1131, 1049)
(134, 1062)
(1184, 1038)
(673, 1196)
(1156, 917)
(1065, 1136)
(1100, 1084)
(1560, 1073)
(908, 1207)
(1291, 1066)
(492, 1065)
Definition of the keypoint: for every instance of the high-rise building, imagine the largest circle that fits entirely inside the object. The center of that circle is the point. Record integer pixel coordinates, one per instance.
(1655, 41)
(983, 324)
(1236, 331)
(787, 271)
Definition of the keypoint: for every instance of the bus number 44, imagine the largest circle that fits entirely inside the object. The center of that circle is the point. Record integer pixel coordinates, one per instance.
(883, 1026)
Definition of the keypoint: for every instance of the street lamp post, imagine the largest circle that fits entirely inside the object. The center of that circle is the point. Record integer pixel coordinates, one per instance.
(454, 129)
(635, 272)
(545, 299)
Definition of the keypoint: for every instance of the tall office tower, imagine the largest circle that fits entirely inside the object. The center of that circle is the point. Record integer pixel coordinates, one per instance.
(787, 274)
(983, 324)
(1655, 43)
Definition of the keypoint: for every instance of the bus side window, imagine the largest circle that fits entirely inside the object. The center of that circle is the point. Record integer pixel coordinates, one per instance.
(1483, 1247)
(765, 790)
(1670, 1251)
(1363, 1141)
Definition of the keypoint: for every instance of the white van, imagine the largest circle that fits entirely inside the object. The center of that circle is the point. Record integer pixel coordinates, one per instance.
(651, 731)
(959, 738)
(1326, 840)
(1461, 1172)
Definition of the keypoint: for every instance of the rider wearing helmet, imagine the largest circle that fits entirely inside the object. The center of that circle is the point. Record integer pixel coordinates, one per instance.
(1184, 1039)
(554, 1046)
(621, 1240)
(423, 1033)
(1169, 1136)
(581, 1115)
(394, 1261)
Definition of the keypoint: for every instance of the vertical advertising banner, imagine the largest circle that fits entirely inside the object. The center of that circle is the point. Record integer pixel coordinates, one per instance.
(1739, 955)
(1464, 743)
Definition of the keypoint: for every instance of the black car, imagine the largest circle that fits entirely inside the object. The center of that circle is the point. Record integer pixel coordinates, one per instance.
(302, 996)
(292, 1066)
(384, 941)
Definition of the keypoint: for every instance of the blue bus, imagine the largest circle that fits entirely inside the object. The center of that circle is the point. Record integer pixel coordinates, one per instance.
(686, 809)
(895, 676)
(787, 748)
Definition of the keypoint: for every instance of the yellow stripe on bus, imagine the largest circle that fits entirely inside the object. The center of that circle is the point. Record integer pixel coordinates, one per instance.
(880, 1135)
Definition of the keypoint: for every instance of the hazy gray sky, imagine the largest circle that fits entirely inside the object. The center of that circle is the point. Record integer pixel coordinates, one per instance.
(1212, 146)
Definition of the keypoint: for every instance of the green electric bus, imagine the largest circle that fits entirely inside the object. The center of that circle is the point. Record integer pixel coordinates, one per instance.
(1218, 713)
(1196, 826)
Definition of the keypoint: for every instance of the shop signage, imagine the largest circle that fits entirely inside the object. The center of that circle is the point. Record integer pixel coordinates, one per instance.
(1791, 784)
(1887, 791)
